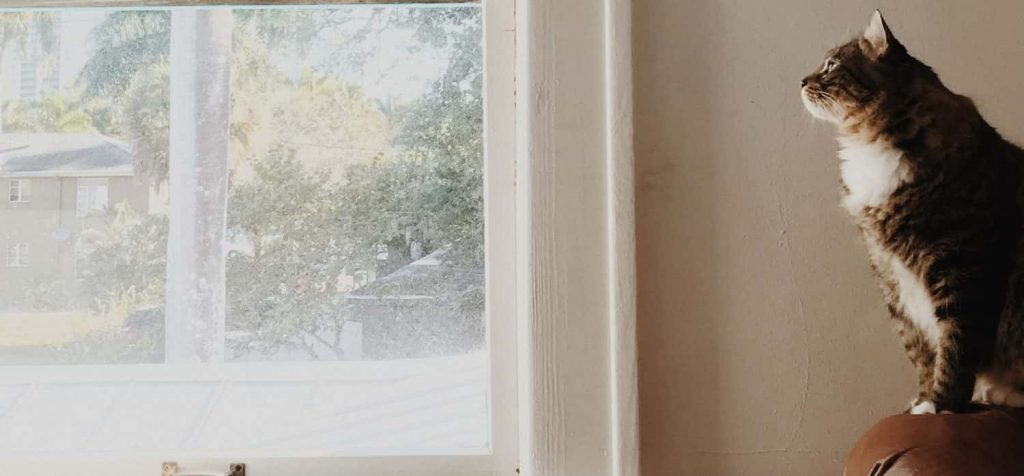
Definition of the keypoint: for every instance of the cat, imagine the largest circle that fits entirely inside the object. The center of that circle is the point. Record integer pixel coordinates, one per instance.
(936, 194)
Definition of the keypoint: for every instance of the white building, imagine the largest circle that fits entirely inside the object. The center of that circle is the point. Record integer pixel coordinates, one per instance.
(30, 71)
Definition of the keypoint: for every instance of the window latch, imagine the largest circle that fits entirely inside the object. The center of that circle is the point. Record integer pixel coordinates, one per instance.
(170, 468)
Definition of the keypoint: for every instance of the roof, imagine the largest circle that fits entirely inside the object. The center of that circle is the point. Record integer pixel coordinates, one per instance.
(422, 279)
(64, 155)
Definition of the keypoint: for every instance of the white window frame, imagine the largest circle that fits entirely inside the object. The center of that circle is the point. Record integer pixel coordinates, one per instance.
(24, 191)
(578, 387)
(20, 254)
(90, 186)
(574, 382)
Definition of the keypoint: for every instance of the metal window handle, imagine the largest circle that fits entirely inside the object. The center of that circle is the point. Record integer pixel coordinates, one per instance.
(235, 469)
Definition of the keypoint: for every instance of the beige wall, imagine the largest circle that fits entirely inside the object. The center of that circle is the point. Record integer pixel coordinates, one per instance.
(764, 347)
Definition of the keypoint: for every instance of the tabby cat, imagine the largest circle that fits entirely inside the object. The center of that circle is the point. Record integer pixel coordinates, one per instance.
(935, 192)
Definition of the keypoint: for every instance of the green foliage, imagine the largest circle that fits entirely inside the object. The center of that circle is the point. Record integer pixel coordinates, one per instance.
(54, 113)
(382, 205)
(128, 41)
(441, 135)
(142, 116)
(123, 345)
(40, 294)
(122, 263)
(127, 81)
(130, 72)
(121, 267)
(287, 31)
(282, 286)
(15, 26)
(327, 123)
(412, 178)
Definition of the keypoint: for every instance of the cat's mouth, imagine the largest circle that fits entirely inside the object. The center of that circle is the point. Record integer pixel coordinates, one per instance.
(820, 104)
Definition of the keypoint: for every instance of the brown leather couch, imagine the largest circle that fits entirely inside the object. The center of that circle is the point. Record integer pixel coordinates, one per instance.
(987, 441)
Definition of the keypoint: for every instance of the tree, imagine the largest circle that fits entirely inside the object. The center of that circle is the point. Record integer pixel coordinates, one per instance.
(122, 262)
(127, 42)
(127, 81)
(200, 61)
(329, 123)
(129, 70)
(432, 183)
(425, 192)
(283, 282)
(121, 269)
(143, 117)
(410, 182)
(54, 113)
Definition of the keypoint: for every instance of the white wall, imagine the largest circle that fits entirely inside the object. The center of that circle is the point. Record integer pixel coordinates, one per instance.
(764, 345)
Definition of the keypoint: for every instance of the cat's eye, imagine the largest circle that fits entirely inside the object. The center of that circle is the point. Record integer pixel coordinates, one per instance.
(830, 65)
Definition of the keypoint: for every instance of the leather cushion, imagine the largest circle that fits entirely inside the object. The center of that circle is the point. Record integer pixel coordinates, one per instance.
(985, 441)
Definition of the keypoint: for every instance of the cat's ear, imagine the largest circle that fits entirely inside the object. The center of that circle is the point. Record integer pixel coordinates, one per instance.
(878, 36)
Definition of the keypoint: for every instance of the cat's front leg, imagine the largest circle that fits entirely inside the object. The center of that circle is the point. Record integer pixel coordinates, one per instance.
(921, 354)
(955, 367)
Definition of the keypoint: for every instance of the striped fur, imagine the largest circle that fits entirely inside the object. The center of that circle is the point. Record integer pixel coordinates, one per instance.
(934, 190)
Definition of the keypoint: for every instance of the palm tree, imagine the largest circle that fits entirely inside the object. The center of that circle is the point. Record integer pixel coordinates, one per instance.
(199, 127)
(127, 43)
(14, 27)
(54, 113)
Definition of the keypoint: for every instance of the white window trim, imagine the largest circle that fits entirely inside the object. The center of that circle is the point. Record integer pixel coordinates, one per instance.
(500, 240)
(23, 195)
(576, 268)
(20, 258)
(88, 207)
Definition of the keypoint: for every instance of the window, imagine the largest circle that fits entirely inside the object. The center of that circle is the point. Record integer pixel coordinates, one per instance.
(17, 255)
(20, 190)
(92, 196)
(325, 278)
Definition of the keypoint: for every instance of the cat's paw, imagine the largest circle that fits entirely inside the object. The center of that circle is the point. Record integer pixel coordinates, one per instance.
(922, 407)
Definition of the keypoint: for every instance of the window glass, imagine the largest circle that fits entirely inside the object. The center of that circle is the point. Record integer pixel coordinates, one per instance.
(17, 255)
(92, 196)
(319, 251)
(19, 191)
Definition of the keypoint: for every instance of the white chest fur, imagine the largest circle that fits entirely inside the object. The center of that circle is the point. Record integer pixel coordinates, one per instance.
(871, 171)
(915, 300)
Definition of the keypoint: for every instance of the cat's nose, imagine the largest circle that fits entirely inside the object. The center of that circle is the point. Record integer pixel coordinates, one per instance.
(803, 82)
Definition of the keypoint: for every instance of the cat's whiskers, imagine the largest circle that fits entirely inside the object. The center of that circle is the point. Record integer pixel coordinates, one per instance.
(825, 103)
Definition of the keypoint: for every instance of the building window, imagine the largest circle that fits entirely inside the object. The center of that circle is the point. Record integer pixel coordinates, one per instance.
(17, 255)
(92, 196)
(20, 190)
